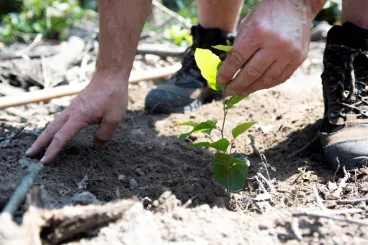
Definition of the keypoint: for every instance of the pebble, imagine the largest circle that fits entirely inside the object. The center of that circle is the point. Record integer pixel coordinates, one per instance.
(362, 205)
(122, 178)
(139, 172)
(263, 227)
(84, 198)
(133, 182)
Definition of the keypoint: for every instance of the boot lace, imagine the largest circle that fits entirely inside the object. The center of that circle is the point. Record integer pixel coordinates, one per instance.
(189, 66)
(354, 87)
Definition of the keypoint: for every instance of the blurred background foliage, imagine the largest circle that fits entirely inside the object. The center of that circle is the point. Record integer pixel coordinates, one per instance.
(21, 20)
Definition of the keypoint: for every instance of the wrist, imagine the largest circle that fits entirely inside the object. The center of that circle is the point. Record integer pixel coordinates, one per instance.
(110, 76)
(315, 5)
(309, 7)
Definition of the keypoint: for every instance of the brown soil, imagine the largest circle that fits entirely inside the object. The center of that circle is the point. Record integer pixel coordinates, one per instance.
(146, 149)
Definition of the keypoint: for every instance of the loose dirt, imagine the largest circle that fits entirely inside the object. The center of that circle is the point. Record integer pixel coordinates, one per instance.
(145, 159)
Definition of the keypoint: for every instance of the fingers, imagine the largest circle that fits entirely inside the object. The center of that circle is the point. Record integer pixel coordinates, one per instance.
(275, 75)
(243, 50)
(65, 134)
(251, 72)
(105, 133)
(47, 135)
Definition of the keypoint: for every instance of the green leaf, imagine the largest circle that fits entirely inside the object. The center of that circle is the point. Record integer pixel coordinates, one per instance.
(184, 136)
(235, 99)
(230, 172)
(241, 128)
(228, 42)
(226, 48)
(207, 125)
(220, 145)
(201, 127)
(208, 63)
(189, 123)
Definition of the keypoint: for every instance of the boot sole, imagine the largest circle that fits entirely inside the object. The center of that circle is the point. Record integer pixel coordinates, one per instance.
(167, 109)
(348, 162)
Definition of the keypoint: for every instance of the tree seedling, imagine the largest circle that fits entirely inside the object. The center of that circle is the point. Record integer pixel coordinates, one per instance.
(229, 170)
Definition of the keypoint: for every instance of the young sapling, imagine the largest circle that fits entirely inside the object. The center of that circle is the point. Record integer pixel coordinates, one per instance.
(229, 170)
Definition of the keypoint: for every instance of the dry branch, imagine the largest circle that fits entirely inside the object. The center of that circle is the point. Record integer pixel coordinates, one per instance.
(68, 222)
(61, 91)
(12, 136)
(332, 217)
(352, 201)
(319, 199)
(160, 50)
(23, 188)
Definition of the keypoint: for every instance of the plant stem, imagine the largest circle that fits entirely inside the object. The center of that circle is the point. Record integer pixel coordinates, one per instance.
(225, 114)
(228, 180)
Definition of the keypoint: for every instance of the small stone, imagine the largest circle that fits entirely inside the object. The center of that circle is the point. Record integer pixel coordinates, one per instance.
(84, 198)
(146, 201)
(362, 205)
(133, 182)
(332, 186)
(263, 227)
(2, 133)
(139, 172)
(122, 178)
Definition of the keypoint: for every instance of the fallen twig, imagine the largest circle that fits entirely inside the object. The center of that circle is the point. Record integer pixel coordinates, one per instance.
(332, 217)
(319, 199)
(33, 44)
(295, 228)
(337, 169)
(268, 182)
(160, 50)
(70, 221)
(23, 188)
(12, 136)
(261, 156)
(171, 13)
(61, 91)
(342, 183)
(352, 201)
(261, 184)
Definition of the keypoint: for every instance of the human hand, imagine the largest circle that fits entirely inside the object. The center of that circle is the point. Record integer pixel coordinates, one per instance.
(271, 44)
(104, 101)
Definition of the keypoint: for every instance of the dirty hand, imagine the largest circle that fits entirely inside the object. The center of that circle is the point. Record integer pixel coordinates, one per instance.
(271, 44)
(103, 101)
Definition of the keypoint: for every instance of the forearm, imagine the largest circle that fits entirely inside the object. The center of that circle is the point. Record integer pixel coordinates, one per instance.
(310, 7)
(121, 22)
(316, 5)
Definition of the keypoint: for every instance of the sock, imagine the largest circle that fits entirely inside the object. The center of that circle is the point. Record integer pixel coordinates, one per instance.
(354, 36)
(208, 37)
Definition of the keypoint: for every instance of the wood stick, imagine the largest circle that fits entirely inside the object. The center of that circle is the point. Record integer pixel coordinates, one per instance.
(23, 188)
(319, 199)
(61, 91)
(352, 201)
(160, 50)
(12, 136)
(332, 217)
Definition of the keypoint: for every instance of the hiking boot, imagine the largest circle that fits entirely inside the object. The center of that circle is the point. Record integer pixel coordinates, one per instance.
(186, 90)
(344, 132)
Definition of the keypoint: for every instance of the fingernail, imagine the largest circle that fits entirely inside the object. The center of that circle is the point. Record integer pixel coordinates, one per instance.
(43, 159)
(29, 152)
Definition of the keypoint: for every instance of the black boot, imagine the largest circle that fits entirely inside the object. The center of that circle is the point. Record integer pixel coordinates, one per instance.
(187, 89)
(344, 132)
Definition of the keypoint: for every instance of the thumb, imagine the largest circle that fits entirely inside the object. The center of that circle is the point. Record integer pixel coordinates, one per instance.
(104, 133)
